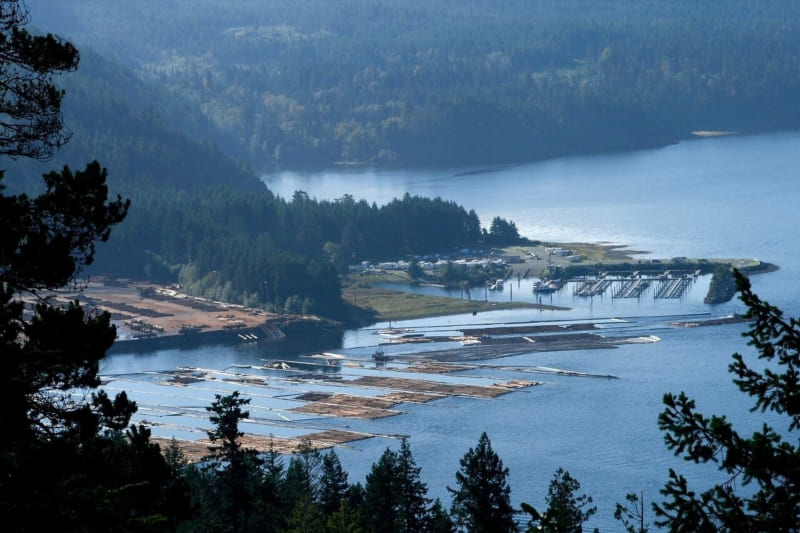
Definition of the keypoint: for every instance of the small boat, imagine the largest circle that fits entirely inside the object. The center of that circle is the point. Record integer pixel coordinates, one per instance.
(380, 356)
(550, 286)
(543, 287)
(394, 332)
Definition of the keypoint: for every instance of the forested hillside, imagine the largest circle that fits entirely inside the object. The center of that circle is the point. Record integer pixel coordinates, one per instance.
(257, 249)
(453, 81)
(199, 218)
(144, 136)
(173, 91)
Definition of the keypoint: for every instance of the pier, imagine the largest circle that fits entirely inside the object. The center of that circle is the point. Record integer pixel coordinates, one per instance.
(592, 288)
(673, 288)
(632, 288)
(667, 285)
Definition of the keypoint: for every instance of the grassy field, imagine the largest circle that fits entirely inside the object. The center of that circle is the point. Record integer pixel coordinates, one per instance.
(397, 305)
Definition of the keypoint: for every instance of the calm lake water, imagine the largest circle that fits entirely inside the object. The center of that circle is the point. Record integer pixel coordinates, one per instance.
(723, 197)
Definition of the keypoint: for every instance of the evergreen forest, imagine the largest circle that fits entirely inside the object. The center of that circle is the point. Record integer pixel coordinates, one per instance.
(452, 82)
(185, 112)
(201, 219)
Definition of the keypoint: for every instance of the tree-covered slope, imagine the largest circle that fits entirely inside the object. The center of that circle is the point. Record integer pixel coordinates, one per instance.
(142, 135)
(198, 218)
(457, 82)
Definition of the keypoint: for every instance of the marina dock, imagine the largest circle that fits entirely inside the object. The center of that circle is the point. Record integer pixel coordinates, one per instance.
(666, 285)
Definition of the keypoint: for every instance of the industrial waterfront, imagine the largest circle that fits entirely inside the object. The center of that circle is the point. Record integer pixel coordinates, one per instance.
(715, 198)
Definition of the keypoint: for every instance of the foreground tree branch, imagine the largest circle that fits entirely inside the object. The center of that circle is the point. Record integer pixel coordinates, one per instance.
(764, 467)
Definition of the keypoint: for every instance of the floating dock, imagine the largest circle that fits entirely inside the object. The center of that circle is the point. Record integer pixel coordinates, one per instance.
(667, 285)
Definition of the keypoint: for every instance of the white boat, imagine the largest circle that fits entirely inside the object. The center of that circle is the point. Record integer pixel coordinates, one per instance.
(394, 332)
(549, 286)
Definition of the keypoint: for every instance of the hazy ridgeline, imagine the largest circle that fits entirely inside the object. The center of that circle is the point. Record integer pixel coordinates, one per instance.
(450, 82)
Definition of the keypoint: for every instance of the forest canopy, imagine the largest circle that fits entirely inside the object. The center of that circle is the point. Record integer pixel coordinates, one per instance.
(292, 84)
(201, 219)
(447, 81)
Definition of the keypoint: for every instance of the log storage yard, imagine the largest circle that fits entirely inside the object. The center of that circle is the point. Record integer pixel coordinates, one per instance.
(328, 398)
(291, 397)
(148, 316)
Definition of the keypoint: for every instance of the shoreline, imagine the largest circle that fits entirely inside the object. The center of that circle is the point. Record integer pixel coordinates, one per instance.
(409, 374)
(150, 317)
(763, 268)
(523, 260)
(166, 319)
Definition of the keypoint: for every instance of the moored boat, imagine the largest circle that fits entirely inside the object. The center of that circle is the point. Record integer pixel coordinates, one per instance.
(380, 355)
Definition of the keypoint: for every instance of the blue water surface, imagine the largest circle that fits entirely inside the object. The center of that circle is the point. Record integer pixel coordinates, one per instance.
(729, 197)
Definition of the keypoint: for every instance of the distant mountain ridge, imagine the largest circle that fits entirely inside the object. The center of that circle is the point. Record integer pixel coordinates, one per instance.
(453, 82)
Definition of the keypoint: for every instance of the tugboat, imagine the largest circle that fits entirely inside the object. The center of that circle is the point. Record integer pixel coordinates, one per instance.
(380, 356)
